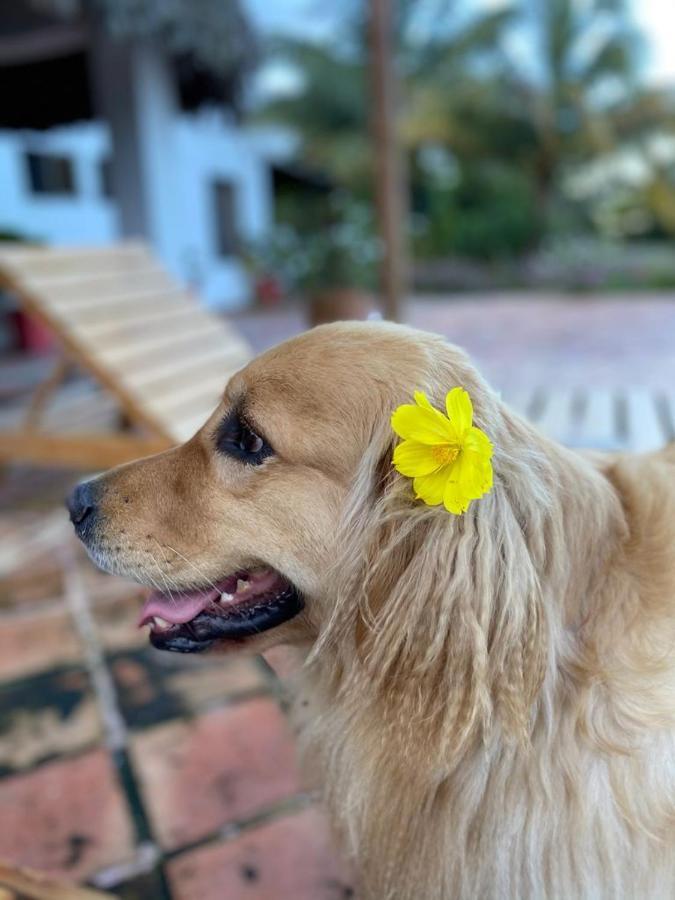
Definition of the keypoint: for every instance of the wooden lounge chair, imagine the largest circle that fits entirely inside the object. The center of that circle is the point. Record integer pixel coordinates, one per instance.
(163, 361)
(120, 317)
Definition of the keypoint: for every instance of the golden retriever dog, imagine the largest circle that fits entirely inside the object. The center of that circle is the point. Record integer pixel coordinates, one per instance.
(488, 699)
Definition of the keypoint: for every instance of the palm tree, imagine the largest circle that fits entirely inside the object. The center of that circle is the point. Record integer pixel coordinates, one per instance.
(583, 66)
(330, 112)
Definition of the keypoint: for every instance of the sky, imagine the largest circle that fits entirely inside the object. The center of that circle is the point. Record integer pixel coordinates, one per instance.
(318, 18)
(657, 18)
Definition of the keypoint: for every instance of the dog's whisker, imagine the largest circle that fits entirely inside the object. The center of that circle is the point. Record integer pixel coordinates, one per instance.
(190, 563)
(161, 572)
(167, 589)
(154, 581)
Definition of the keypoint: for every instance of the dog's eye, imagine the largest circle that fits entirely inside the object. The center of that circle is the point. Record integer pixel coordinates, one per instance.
(236, 438)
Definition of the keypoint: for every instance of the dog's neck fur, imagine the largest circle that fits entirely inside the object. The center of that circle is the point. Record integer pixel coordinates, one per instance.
(443, 795)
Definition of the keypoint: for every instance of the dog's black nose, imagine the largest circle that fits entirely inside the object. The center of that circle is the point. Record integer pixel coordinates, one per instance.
(81, 506)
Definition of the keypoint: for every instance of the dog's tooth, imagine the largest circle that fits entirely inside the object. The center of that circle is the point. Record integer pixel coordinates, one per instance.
(226, 598)
(242, 585)
(161, 623)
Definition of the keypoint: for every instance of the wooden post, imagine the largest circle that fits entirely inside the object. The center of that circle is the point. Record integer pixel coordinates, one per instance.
(387, 161)
(44, 392)
(135, 93)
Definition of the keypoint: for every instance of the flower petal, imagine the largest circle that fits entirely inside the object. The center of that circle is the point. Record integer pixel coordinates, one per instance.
(427, 436)
(430, 488)
(427, 426)
(473, 473)
(460, 409)
(422, 400)
(478, 442)
(471, 476)
(412, 458)
(454, 499)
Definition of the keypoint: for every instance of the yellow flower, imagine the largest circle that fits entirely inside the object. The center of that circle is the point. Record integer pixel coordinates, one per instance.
(447, 457)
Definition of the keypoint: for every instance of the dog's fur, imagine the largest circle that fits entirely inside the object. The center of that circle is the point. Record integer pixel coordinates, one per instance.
(488, 700)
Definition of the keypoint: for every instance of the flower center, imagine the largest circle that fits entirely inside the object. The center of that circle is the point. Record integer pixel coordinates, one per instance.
(444, 454)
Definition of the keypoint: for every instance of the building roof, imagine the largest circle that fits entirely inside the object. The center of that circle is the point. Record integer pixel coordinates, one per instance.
(44, 48)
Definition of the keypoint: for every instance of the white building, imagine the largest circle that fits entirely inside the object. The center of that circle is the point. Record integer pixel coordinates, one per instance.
(54, 187)
(105, 135)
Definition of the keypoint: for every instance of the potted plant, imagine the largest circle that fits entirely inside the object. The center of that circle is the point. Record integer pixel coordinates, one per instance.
(332, 266)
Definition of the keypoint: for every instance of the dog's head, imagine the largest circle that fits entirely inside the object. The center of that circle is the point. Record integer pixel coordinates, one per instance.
(282, 520)
(237, 530)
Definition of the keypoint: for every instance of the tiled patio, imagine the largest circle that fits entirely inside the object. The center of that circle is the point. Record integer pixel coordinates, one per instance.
(157, 776)
(521, 340)
(150, 775)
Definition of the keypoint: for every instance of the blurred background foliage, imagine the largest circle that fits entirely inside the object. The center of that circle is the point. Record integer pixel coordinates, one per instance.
(512, 158)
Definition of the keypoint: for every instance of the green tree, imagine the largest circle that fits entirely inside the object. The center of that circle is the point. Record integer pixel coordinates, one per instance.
(330, 112)
(583, 68)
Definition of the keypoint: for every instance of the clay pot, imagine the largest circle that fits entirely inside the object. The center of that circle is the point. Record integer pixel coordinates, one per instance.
(338, 304)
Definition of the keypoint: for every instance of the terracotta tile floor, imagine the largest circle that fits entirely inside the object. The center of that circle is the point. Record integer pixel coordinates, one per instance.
(157, 776)
(147, 774)
(548, 340)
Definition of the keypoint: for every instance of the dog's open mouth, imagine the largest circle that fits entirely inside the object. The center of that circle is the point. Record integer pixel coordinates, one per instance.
(244, 604)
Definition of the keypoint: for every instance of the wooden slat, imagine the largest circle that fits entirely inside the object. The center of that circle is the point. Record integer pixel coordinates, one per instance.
(11, 252)
(69, 296)
(79, 351)
(144, 311)
(192, 390)
(201, 405)
(169, 375)
(107, 312)
(556, 419)
(669, 413)
(598, 427)
(520, 400)
(130, 342)
(93, 410)
(74, 295)
(148, 345)
(198, 412)
(76, 406)
(645, 431)
(122, 318)
(40, 265)
(45, 391)
(85, 451)
(185, 429)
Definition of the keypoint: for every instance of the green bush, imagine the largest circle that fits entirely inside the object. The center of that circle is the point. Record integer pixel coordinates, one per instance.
(340, 249)
(489, 213)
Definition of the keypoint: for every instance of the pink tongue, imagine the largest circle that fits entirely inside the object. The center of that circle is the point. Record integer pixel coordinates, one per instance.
(178, 608)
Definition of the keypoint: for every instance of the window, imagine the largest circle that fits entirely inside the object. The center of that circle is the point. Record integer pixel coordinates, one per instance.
(50, 174)
(105, 178)
(227, 237)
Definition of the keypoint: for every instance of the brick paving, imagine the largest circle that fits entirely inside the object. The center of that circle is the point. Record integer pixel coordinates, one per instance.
(146, 774)
(547, 340)
(290, 858)
(157, 776)
(229, 765)
(67, 817)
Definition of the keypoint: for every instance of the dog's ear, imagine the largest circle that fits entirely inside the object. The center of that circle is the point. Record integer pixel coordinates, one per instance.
(439, 618)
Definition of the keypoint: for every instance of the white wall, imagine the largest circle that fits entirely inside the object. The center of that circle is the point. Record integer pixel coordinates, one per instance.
(206, 146)
(85, 217)
(211, 150)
